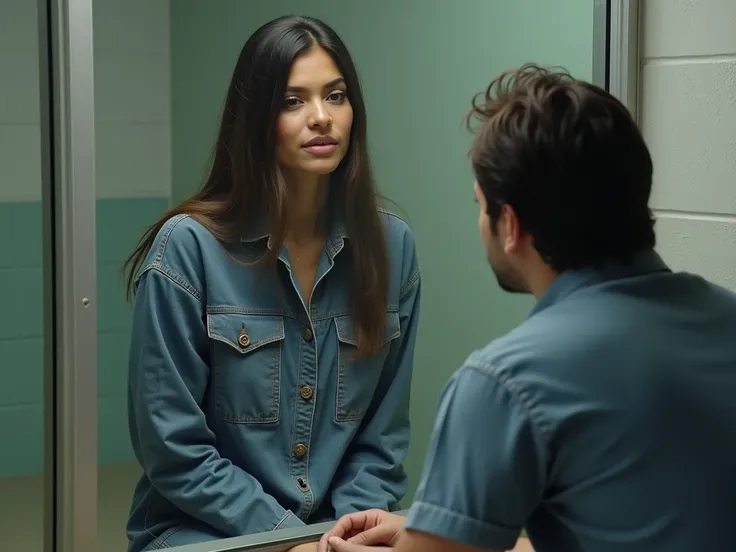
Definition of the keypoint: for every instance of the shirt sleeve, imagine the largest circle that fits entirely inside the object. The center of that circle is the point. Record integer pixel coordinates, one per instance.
(486, 466)
(168, 378)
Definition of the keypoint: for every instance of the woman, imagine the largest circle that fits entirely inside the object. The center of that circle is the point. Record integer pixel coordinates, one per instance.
(275, 314)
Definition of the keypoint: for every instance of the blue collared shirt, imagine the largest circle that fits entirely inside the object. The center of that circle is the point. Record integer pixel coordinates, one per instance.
(247, 408)
(606, 422)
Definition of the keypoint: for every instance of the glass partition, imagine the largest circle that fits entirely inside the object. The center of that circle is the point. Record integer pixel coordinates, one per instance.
(133, 163)
(417, 88)
(23, 334)
(139, 88)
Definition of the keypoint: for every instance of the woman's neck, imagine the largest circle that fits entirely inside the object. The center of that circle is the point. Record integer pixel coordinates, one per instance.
(306, 206)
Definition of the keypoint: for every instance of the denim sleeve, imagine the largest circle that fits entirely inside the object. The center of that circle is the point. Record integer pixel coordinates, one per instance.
(486, 465)
(372, 473)
(168, 376)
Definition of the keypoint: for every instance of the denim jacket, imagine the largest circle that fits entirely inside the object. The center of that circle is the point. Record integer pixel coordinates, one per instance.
(247, 409)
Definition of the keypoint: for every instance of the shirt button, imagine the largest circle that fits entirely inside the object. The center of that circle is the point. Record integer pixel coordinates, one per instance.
(243, 337)
(300, 450)
(307, 334)
(306, 392)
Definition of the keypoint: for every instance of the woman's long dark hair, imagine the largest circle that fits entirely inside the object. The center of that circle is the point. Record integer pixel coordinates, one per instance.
(244, 181)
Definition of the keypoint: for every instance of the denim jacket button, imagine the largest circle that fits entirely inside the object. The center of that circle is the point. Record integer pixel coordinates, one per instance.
(307, 334)
(303, 485)
(306, 392)
(300, 450)
(243, 338)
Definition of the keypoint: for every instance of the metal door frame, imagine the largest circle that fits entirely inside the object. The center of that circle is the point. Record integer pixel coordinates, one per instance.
(623, 46)
(70, 274)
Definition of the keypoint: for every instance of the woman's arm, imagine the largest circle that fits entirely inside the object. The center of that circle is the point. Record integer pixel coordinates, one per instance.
(168, 378)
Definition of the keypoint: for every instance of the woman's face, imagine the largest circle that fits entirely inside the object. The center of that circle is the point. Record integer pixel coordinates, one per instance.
(314, 127)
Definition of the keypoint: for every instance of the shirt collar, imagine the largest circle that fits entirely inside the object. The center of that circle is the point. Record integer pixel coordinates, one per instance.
(336, 236)
(645, 262)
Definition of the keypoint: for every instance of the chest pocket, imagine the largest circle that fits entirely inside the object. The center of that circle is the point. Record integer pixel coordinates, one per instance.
(357, 379)
(246, 362)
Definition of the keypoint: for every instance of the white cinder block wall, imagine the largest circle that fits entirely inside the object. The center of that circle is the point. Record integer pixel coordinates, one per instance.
(687, 111)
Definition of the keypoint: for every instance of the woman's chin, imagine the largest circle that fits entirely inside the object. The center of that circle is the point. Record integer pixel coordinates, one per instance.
(320, 166)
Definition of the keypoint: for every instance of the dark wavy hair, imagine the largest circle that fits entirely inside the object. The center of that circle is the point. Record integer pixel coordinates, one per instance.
(570, 160)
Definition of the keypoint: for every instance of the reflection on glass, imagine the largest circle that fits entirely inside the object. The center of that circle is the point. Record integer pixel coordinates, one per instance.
(133, 166)
(21, 282)
(275, 314)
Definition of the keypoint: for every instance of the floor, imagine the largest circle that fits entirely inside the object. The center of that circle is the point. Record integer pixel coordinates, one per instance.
(22, 509)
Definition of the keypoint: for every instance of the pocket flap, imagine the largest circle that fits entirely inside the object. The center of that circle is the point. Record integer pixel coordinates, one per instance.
(346, 332)
(245, 332)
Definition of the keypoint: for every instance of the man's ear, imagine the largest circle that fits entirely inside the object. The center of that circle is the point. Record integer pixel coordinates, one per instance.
(510, 229)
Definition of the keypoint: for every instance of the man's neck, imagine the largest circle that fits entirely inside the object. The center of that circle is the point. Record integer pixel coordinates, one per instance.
(539, 278)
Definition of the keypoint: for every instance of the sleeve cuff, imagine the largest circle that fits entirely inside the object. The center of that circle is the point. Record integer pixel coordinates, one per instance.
(433, 520)
(289, 521)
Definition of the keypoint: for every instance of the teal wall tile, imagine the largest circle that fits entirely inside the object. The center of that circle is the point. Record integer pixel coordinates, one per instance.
(120, 223)
(21, 366)
(21, 431)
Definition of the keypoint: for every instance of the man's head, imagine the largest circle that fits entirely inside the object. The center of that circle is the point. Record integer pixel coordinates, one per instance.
(563, 177)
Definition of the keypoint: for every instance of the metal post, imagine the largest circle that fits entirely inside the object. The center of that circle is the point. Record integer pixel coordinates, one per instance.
(600, 43)
(623, 74)
(69, 198)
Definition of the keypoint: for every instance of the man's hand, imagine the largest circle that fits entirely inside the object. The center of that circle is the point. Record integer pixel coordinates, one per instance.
(422, 542)
(339, 545)
(364, 529)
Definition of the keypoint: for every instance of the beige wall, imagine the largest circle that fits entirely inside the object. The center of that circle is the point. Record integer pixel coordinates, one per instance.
(687, 111)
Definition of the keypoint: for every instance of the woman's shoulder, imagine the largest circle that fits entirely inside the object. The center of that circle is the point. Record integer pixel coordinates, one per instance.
(178, 246)
(396, 228)
(401, 248)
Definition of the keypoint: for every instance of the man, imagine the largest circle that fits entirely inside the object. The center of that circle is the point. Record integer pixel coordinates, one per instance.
(606, 422)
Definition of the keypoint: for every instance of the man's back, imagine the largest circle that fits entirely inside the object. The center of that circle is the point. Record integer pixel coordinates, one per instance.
(632, 381)
(606, 422)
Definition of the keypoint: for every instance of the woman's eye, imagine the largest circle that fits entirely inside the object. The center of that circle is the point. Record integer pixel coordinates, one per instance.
(337, 96)
(292, 102)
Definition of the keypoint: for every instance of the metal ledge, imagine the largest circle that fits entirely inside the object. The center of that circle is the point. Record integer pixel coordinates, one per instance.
(273, 541)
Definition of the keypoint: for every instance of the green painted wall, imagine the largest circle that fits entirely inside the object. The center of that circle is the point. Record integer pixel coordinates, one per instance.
(420, 63)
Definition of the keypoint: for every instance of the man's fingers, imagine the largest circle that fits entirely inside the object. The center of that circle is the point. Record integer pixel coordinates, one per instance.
(381, 534)
(339, 545)
(322, 545)
(346, 527)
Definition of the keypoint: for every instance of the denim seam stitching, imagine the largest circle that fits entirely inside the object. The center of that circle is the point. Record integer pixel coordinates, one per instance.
(310, 495)
(522, 396)
(392, 214)
(157, 263)
(413, 279)
(287, 515)
(248, 420)
(165, 238)
(177, 279)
